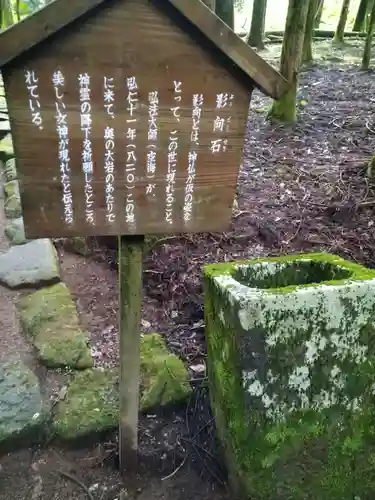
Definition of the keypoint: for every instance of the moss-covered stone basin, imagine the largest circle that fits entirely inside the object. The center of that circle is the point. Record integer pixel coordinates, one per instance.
(292, 375)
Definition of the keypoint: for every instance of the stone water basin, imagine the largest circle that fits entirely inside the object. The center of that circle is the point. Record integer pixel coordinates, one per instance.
(291, 358)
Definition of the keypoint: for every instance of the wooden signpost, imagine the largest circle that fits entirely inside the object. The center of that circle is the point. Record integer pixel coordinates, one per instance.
(128, 118)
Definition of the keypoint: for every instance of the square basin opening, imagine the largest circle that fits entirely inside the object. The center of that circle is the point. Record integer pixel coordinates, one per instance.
(266, 275)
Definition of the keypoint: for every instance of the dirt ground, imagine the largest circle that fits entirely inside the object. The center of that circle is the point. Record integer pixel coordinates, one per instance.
(301, 188)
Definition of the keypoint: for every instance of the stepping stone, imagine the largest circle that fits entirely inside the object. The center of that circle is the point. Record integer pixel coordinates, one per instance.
(32, 264)
(15, 231)
(91, 404)
(22, 413)
(49, 316)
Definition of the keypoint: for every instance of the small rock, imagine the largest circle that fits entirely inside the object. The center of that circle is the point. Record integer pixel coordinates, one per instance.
(10, 171)
(124, 495)
(145, 323)
(21, 407)
(199, 368)
(50, 317)
(78, 244)
(15, 231)
(33, 263)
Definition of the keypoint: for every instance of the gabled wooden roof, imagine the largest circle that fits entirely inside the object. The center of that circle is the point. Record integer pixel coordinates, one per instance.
(55, 16)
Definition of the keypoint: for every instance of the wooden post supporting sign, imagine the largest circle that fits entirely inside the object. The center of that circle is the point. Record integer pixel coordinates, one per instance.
(130, 253)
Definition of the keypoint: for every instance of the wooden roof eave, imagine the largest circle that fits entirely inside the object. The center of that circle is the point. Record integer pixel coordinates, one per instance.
(59, 13)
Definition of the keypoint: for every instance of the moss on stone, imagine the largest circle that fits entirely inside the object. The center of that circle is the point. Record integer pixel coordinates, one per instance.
(91, 405)
(15, 231)
(308, 355)
(164, 378)
(354, 271)
(78, 244)
(50, 317)
(22, 410)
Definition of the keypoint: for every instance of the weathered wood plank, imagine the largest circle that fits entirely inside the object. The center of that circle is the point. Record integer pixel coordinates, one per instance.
(130, 286)
(144, 43)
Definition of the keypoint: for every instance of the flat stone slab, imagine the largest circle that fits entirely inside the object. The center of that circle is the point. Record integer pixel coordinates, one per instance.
(15, 231)
(22, 413)
(291, 363)
(91, 405)
(49, 316)
(32, 264)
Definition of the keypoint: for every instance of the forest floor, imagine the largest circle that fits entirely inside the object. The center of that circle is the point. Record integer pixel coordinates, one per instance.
(301, 188)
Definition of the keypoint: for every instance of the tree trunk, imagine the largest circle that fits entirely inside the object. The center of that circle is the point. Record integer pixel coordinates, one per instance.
(258, 22)
(285, 108)
(6, 14)
(307, 55)
(225, 10)
(339, 35)
(366, 25)
(370, 35)
(319, 14)
(210, 4)
(361, 15)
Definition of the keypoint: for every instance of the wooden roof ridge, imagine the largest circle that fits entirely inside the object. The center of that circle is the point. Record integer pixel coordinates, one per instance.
(56, 15)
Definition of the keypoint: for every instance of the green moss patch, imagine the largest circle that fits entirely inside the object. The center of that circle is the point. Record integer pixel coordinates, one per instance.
(49, 316)
(91, 405)
(164, 378)
(291, 357)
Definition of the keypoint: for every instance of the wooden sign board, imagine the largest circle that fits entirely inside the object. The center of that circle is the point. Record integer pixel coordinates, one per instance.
(123, 123)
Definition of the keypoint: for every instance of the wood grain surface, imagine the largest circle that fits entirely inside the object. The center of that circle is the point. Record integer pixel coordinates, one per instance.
(127, 43)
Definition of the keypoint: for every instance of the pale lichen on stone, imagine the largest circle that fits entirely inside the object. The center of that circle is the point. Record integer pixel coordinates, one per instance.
(303, 357)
